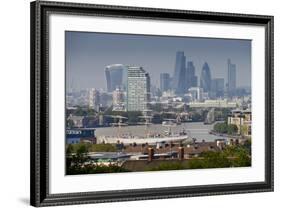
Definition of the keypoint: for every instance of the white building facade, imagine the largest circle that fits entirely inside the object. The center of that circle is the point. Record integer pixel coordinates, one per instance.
(138, 90)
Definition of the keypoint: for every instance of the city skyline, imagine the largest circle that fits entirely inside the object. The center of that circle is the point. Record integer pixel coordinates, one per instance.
(166, 101)
(88, 54)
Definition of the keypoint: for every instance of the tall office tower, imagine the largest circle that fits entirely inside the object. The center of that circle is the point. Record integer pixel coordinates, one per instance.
(116, 77)
(138, 90)
(205, 79)
(217, 88)
(179, 82)
(231, 78)
(94, 99)
(191, 79)
(164, 82)
(194, 82)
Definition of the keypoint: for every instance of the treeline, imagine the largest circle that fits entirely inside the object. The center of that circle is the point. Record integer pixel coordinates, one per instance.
(87, 147)
(199, 115)
(224, 128)
(78, 162)
(81, 111)
(232, 156)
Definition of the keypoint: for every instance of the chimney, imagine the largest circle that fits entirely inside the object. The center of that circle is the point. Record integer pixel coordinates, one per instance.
(150, 154)
(181, 153)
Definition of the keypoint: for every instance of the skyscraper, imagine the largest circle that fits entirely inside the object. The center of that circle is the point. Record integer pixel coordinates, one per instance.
(164, 82)
(205, 79)
(138, 90)
(179, 78)
(116, 77)
(194, 81)
(191, 79)
(217, 87)
(231, 78)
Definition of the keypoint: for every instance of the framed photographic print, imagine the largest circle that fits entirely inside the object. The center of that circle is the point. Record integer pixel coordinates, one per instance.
(131, 103)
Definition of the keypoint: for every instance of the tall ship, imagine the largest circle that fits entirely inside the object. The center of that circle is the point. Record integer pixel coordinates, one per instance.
(166, 136)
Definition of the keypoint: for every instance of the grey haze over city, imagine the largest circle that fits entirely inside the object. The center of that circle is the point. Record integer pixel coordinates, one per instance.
(88, 53)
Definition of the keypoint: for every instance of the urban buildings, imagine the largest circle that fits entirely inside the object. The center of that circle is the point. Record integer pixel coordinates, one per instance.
(77, 98)
(205, 79)
(184, 74)
(217, 88)
(195, 93)
(74, 121)
(105, 99)
(138, 89)
(116, 77)
(165, 81)
(179, 79)
(231, 78)
(191, 79)
(77, 135)
(243, 120)
(94, 99)
(214, 104)
(118, 100)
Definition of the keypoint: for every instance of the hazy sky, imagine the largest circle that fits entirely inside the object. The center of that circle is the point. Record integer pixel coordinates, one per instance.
(88, 53)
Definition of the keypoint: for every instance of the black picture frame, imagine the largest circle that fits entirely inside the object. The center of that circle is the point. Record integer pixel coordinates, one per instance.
(39, 188)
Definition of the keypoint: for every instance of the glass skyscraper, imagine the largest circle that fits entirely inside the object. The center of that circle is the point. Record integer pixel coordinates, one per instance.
(205, 79)
(179, 79)
(217, 88)
(164, 81)
(138, 89)
(116, 77)
(191, 79)
(231, 78)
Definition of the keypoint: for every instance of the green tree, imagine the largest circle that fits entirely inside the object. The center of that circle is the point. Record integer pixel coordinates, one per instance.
(93, 168)
(82, 148)
(69, 149)
(240, 155)
(215, 160)
(248, 145)
(76, 161)
(103, 148)
(225, 128)
(232, 129)
(220, 128)
(166, 166)
(243, 130)
(196, 163)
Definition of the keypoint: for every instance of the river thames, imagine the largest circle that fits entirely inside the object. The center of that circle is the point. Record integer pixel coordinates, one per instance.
(194, 130)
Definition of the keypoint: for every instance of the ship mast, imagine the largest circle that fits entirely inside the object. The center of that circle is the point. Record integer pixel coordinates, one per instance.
(118, 123)
(147, 120)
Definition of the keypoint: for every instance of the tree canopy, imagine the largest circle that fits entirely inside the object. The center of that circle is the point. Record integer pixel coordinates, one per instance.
(225, 128)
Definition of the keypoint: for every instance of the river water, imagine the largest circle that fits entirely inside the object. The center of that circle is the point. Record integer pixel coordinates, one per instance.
(194, 129)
